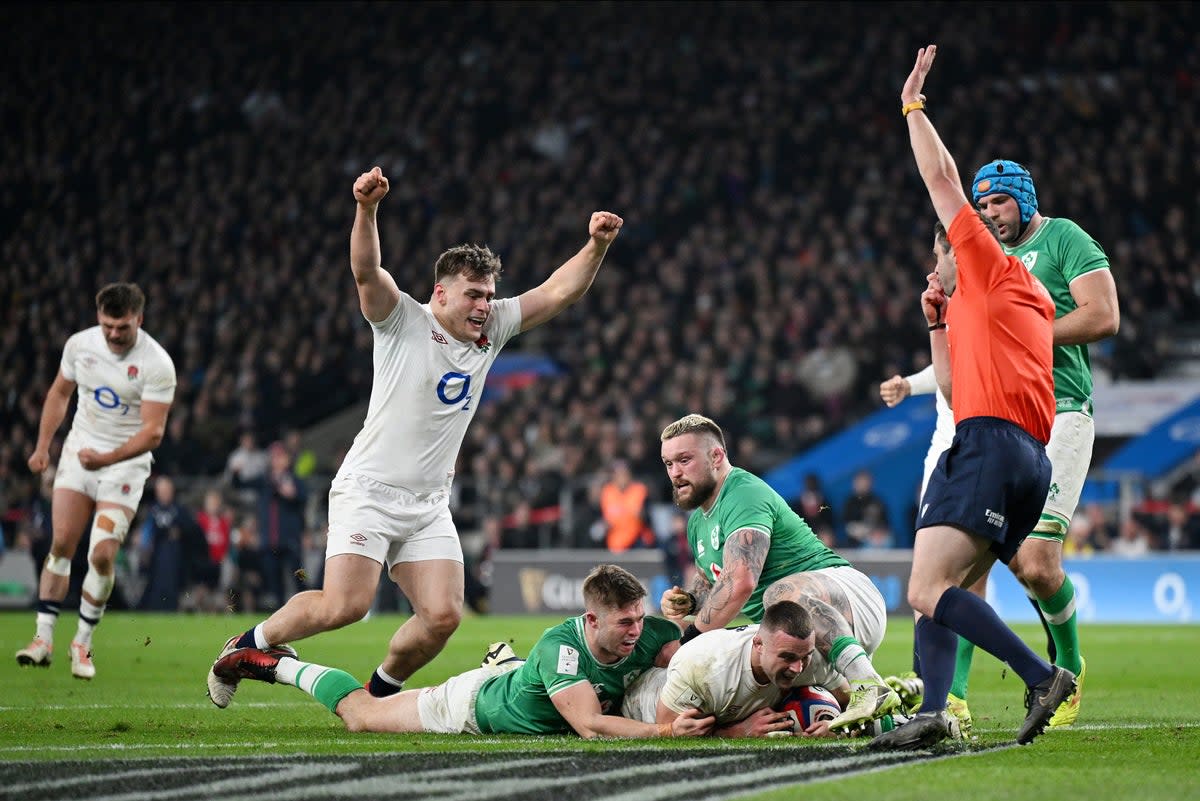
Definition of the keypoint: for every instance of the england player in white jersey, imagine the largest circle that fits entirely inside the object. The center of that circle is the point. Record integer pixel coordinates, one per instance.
(897, 388)
(739, 675)
(125, 382)
(389, 503)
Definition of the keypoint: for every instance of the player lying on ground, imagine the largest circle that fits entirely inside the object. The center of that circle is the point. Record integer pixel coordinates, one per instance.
(752, 550)
(575, 677)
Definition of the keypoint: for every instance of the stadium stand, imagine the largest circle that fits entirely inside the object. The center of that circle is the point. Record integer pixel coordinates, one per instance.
(770, 265)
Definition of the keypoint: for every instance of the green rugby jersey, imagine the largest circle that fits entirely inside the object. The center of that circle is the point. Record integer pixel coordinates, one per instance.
(746, 501)
(518, 702)
(1058, 253)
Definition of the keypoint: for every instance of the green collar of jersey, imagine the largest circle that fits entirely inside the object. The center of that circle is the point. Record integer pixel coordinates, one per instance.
(1038, 234)
(581, 627)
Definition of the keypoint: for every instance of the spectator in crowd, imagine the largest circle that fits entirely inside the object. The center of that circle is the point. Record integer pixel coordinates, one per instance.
(213, 572)
(623, 505)
(282, 496)
(246, 466)
(865, 515)
(814, 507)
(1135, 539)
(1182, 526)
(249, 574)
(169, 537)
(717, 223)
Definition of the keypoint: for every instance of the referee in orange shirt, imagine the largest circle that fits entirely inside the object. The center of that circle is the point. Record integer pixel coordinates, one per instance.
(992, 359)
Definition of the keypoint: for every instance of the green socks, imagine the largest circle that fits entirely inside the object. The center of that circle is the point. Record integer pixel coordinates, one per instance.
(962, 667)
(1059, 610)
(327, 685)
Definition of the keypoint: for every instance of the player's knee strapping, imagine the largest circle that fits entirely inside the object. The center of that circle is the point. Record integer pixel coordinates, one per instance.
(109, 525)
(58, 565)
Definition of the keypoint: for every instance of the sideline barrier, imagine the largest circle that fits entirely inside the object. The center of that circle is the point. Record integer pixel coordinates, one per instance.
(1158, 588)
(551, 581)
(1109, 589)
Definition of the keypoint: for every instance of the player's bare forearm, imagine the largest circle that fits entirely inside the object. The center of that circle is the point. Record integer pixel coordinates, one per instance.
(745, 552)
(54, 411)
(700, 587)
(580, 708)
(365, 257)
(939, 351)
(577, 273)
(937, 167)
(146, 439)
(567, 284)
(934, 162)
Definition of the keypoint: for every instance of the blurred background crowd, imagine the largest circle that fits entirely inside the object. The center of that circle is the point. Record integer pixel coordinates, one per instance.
(775, 244)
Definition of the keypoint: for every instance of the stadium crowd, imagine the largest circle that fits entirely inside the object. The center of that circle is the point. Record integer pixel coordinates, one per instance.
(768, 273)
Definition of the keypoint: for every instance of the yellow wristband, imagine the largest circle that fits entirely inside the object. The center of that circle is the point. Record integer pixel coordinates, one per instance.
(913, 106)
(664, 730)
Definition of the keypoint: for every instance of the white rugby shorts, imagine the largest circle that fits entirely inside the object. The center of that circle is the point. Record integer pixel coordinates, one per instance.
(866, 604)
(121, 483)
(1070, 453)
(641, 698)
(449, 708)
(390, 524)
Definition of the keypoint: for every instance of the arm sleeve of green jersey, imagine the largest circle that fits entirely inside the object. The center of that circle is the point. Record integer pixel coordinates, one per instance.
(558, 663)
(1080, 253)
(658, 632)
(749, 507)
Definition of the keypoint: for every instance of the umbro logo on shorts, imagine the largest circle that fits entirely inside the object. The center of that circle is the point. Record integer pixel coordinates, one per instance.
(358, 539)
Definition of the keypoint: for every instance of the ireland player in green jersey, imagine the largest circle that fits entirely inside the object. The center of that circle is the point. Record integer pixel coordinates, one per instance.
(752, 550)
(574, 679)
(1075, 271)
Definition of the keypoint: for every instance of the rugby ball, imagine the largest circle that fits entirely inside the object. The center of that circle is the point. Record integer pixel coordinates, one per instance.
(809, 705)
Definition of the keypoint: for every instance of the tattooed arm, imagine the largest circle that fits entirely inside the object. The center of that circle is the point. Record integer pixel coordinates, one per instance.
(745, 551)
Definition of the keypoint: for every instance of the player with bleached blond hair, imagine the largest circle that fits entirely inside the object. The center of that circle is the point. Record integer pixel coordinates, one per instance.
(752, 550)
(125, 383)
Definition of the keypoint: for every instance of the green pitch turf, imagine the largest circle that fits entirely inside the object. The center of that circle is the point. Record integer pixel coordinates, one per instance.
(1138, 735)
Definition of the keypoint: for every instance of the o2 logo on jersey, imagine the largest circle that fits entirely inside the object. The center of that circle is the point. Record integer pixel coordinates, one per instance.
(455, 387)
(107, 398)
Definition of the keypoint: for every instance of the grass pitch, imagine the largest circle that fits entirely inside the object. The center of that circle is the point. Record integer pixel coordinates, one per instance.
(143, 729)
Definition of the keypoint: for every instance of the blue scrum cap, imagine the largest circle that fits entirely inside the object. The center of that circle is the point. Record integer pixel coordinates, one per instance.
(1007, 178)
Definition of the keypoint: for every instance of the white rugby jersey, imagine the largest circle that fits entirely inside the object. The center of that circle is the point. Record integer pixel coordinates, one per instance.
(112, 388)
(426, 389)
(712, 673)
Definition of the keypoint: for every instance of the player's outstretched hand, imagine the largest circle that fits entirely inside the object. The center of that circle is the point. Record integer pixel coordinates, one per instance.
(370, 187)
(604, 226)
(894, 390)
(933, 300)
(911, 92)
(675, 604)
(691, 723)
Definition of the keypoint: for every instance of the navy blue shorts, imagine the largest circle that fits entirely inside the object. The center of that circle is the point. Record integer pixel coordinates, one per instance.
(991, 482)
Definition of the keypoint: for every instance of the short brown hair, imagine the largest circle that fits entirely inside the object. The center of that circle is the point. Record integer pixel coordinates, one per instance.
(474, 262)
(940, 236)
(943, 239)
(691, 424)
(611, 587)
(118, 300)
(789, 617)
